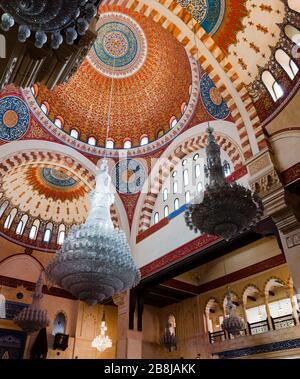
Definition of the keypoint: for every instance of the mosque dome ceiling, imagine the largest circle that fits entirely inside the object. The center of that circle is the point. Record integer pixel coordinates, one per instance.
(147, 52)
(152, 82)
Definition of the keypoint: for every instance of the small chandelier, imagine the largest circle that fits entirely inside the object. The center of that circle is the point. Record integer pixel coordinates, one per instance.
(226, 209)
(102, 341)
(95, 260)
(168, 339)
(232, 324)
(33, 318)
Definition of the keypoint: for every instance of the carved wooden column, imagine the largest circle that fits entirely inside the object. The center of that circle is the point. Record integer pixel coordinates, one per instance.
(129, 342)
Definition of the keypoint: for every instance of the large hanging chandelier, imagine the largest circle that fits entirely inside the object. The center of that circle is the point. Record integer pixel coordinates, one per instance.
(102, 341)
(56, 20)
(226, 209)
(233, 324)
(33, 318)
(95, 260)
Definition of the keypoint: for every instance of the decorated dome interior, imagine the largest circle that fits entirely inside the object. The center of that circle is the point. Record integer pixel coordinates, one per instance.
(151, 86)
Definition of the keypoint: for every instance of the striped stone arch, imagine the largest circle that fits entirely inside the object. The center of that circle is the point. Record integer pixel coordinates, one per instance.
(54, 159)
(250, 285)
(185, 148)
(273, 279)
(172, 17)
(209, 302)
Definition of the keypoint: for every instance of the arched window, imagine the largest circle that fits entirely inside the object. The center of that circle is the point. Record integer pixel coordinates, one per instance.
(59, 324)
(197, 171)
(34, 230)
(10, 218)
(21, 225)
(184, 162)
(2, 306)
(160, 133)
(92, 141)
(185, 177)
(226, 169)
(199, 187)
(272, 85)
(286, 63)
(48, 233)
(3, 207)
(174, 173)
(45, 108)
(32, 89)
(156, 218)
(58, 123)
(166, 211)
(173, 122)
(127, 143)
(165, 194)
(176, 204)
(61, 234)
(293, 34)
(294, 5)
(74, 133)
(175, 186)
(110, 143)
(183, 107)
(196, 157)
(144, 140)
(187, 197)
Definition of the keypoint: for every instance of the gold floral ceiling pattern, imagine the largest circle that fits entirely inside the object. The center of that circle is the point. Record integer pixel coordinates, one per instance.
(142, 103)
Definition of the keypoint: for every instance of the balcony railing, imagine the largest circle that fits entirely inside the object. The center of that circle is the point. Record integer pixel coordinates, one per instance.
(258, 327)
(255, 328)
(283, 322)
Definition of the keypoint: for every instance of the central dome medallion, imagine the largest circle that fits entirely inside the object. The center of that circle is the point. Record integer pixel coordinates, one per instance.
(121, 46)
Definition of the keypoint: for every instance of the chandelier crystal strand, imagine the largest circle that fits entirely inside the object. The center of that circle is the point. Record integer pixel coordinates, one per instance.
(225, 209)
(95, 261)
(33, 318)
(102, 341)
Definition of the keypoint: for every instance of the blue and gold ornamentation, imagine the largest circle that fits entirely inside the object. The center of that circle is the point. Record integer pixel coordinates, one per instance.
(57, 178)
(116, 44)
(120, 48)
(208, 13)
(128, 176)
(14, 118)
(212, 99)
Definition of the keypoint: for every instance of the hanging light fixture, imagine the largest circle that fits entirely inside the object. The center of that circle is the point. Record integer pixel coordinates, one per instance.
(168, 339)
(233, 324)
(102, 341)
(33, 318)
(95, 260)
(50, 20)
(226, 209)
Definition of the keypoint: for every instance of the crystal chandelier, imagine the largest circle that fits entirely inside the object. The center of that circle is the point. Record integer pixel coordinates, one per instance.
(56, 20)
(233, 324)
(102, 341)
(33, 318)
(95, 260)
(168, 339)
(226, 208)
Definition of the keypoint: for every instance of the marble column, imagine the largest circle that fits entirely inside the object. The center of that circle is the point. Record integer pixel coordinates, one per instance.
(269, 318)
(284, 209)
